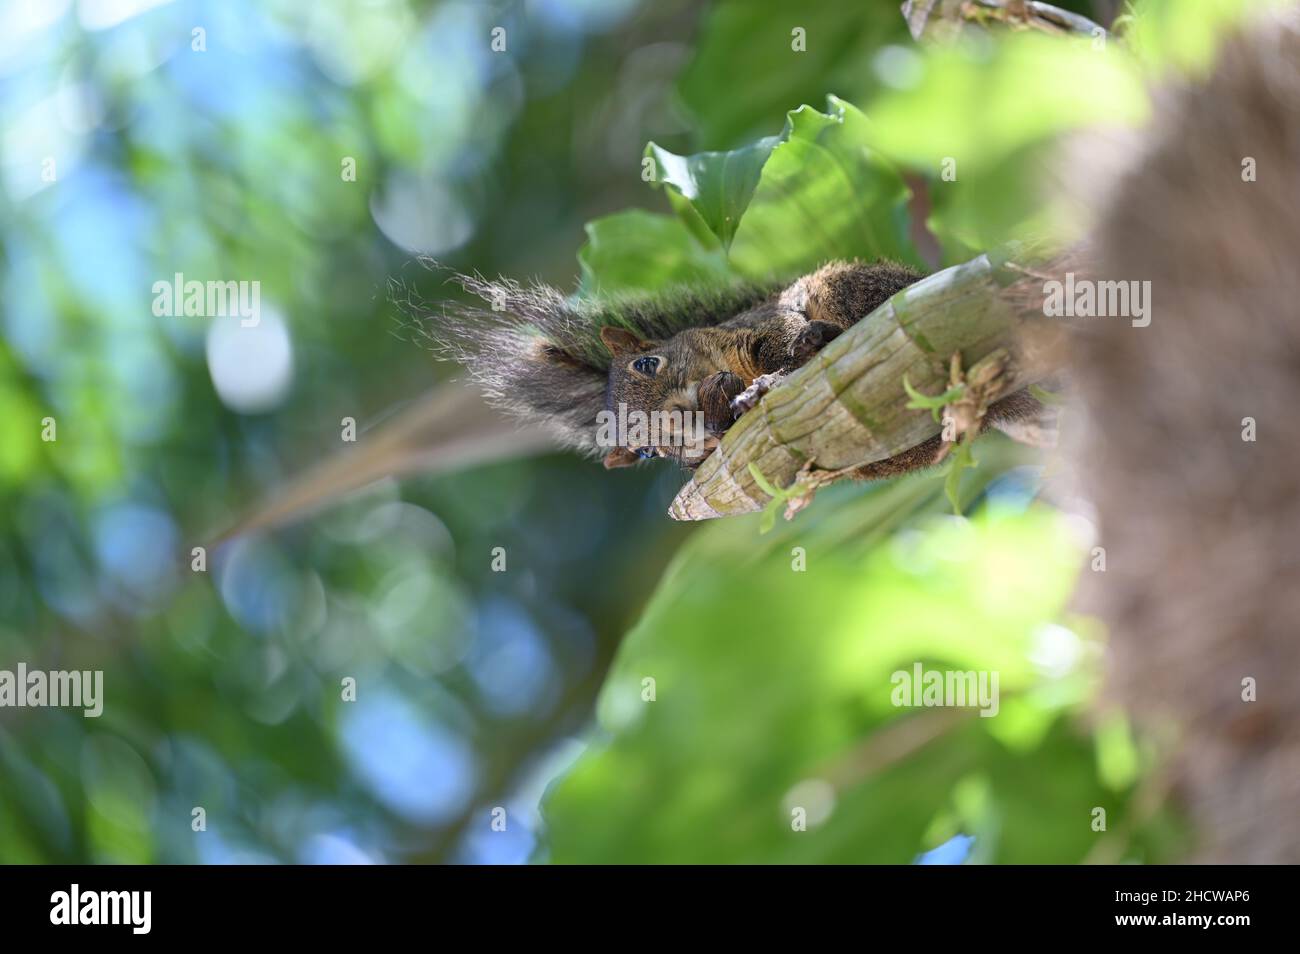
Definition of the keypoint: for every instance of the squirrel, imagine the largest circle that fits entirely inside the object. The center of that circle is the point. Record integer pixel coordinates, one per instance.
(557, 362)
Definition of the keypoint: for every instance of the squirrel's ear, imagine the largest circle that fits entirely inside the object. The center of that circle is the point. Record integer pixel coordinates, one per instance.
(620, 457)
(620, 341)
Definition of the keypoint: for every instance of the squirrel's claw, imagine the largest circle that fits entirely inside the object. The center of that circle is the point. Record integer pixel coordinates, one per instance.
(749, 398)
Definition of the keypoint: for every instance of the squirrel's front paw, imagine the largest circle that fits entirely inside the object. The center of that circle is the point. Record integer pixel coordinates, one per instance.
(815, 336)
(715, 396)
(749, 397)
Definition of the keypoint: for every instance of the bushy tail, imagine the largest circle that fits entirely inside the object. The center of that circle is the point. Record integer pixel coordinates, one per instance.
(537, 353)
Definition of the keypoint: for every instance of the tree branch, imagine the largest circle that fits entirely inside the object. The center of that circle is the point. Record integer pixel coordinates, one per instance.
(848, 406)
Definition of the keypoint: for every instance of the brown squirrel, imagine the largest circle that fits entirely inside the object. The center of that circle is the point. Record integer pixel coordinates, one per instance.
(559, 363)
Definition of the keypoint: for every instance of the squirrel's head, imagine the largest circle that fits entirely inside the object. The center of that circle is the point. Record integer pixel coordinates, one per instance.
(559, 363)
(664, 399)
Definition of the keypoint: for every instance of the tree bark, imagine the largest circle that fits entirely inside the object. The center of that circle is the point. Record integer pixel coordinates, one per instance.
(1191, 449)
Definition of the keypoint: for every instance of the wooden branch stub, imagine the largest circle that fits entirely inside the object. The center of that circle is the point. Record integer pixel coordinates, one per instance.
(946, 20)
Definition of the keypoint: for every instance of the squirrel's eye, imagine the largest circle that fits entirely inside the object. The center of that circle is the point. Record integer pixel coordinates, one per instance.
(646, 365)
(645, 453)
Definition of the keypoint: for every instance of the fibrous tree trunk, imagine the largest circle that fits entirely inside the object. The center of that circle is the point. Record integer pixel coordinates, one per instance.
(1191, 453)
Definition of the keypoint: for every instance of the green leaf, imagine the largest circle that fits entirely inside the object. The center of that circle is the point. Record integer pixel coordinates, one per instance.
(962, 460)
(775, 505)
(773, 691)
(935, 404)
(784, 205)
(1170, 34)
(824, 193)
(643, 251)
(981, 121)
(21, 448)
(747, 72)
(764, 484)
(979, 104)
(1117, 755)
(711, 190)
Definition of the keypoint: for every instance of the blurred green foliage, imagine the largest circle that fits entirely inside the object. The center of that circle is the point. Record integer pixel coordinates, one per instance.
(748, 69)
(783, 700)
(224, 688)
